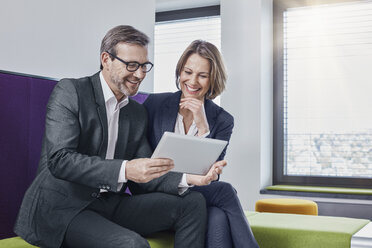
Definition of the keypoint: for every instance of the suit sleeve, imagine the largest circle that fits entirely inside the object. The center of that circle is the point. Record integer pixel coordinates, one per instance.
(62, 132)
(224, 131)
(167, 183)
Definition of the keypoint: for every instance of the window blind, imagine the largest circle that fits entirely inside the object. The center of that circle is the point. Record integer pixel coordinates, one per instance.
(328, 90)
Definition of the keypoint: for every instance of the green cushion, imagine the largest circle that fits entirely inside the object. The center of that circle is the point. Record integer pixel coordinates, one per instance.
(332, 190)
(159, 240)
(16, 242)
(273, 230)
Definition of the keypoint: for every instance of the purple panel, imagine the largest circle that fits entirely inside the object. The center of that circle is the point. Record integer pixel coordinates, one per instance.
(40, 92)
(14, 121)
(23, 101)
(22, 116)
(140, 97)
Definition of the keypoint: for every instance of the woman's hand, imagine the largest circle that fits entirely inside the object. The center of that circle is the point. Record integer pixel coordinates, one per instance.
(212, 175)
(197, 108)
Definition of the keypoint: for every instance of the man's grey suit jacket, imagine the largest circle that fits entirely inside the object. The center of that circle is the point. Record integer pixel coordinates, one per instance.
(72, 168)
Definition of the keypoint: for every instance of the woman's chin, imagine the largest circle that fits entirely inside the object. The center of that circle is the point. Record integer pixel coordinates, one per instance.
(196, 96)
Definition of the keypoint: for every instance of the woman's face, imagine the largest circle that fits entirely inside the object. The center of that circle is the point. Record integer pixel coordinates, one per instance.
(194, 77)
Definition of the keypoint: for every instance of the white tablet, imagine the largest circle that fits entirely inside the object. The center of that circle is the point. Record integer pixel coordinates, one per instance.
(193, 155)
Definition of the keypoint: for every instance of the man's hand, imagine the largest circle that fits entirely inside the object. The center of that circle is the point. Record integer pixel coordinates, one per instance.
(212, 175)
(197, 108)
(143, 170)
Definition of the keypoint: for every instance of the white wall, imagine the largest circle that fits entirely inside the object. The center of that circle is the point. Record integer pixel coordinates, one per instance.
(266, 152)
(62, 38)
(246, 44)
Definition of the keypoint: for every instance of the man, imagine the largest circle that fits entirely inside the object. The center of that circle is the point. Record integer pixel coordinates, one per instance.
(94, 148)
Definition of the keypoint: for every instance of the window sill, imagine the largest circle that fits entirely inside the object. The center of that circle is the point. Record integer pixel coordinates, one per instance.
(326, 192)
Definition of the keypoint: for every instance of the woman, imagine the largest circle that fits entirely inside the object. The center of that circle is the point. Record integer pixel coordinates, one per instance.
(201, 76)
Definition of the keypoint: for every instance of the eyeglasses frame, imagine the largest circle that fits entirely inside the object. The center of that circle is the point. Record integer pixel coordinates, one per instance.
(138, 64)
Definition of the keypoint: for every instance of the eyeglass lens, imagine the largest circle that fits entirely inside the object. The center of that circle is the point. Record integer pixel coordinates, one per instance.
(132, 66)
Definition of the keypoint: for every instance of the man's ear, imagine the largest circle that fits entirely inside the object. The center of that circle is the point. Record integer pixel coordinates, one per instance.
(105, 60)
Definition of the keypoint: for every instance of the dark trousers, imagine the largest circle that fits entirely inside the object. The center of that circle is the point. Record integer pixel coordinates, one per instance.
(114, 221)
(227, 224)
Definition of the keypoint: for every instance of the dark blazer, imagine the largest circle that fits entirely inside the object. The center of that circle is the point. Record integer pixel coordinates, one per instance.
(162, 112)
(73, 168)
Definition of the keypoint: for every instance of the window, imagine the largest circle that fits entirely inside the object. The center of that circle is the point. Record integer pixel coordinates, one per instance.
(322, 90)
(174, 31)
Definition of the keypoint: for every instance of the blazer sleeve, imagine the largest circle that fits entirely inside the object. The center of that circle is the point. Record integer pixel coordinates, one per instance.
(167, 183)
(224, 127)
(62, 132)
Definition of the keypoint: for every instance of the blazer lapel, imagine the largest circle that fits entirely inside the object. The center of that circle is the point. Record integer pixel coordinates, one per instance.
(123, 131)
(101, 109)
(210, 111)
(169, 112)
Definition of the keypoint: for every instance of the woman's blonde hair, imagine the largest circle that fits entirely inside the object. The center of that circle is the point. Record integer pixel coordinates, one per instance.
(218, 73)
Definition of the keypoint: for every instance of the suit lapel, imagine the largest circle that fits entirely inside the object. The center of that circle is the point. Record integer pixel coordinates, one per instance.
(101, 109)
(123, 131)
(211, 113)
(169, 112)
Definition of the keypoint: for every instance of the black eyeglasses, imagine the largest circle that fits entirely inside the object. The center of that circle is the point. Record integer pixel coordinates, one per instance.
(133, 66)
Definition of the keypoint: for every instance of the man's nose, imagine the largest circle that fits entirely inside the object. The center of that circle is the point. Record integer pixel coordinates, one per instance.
(139, 73)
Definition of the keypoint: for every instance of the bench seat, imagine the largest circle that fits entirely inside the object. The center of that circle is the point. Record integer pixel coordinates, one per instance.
(273, 230)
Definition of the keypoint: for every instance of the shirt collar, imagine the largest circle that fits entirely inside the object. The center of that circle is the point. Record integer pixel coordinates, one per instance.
(109, 95)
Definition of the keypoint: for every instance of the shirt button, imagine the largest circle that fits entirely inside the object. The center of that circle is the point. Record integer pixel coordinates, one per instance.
(94, 195)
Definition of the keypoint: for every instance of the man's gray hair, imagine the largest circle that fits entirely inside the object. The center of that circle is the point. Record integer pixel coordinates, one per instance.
(122, 33)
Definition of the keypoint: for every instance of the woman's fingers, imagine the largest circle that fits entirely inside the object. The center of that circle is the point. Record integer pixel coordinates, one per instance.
(193, 107)
(191, 103)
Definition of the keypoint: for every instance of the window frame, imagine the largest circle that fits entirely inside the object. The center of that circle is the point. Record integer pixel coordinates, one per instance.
(279, 6)
(181, 14)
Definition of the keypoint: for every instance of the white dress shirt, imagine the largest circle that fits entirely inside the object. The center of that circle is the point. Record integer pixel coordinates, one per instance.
(193, 130)
(112, 111)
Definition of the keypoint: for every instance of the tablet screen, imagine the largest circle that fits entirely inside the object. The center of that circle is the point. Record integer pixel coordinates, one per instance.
(193, 155)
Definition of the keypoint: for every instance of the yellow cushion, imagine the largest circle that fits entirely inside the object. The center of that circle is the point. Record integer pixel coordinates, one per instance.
(290, 206)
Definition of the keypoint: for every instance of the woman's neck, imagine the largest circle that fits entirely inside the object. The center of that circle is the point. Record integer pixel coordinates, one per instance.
(187, 119)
